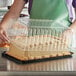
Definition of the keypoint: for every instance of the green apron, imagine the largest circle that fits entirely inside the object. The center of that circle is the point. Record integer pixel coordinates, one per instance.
(49, 14)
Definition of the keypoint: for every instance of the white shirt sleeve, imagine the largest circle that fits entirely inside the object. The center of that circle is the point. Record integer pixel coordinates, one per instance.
(71, 10)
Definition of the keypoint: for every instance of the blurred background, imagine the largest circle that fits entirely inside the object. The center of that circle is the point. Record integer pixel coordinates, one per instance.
(5, 5)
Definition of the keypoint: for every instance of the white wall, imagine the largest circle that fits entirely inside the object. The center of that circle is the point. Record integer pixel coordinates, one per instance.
(4, 3)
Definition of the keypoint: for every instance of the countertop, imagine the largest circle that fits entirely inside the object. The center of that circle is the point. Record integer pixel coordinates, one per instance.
(68, 64)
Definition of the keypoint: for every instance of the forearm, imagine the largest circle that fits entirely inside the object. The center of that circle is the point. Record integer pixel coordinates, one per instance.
(73, 25)
(13, 14)
(7, 21)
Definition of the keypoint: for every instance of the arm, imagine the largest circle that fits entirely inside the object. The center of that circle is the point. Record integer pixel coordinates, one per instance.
(10, 17)
(73, 26)
(13, 14)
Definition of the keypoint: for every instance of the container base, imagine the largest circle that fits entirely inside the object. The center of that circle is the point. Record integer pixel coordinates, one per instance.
(35, 60)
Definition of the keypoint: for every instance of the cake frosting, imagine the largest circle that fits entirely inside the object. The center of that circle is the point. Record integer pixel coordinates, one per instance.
(36, 47)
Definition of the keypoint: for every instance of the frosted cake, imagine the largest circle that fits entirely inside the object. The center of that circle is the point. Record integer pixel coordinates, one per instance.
(37, 47)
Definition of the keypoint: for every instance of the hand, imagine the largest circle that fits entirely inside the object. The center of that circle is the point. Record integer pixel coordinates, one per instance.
(3, 35)
(67, 36)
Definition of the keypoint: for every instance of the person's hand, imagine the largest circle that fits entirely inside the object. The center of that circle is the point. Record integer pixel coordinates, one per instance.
(3, 35)
(68, 36)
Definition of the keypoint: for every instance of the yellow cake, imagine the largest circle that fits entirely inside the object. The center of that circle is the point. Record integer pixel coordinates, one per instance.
(37, 47)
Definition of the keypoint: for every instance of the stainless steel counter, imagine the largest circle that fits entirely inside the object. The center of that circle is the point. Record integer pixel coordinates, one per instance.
(67, 64)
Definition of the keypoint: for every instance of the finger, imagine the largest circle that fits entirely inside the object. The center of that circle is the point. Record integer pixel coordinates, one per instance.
(6, 35)
(3, 38)
(1, 41)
